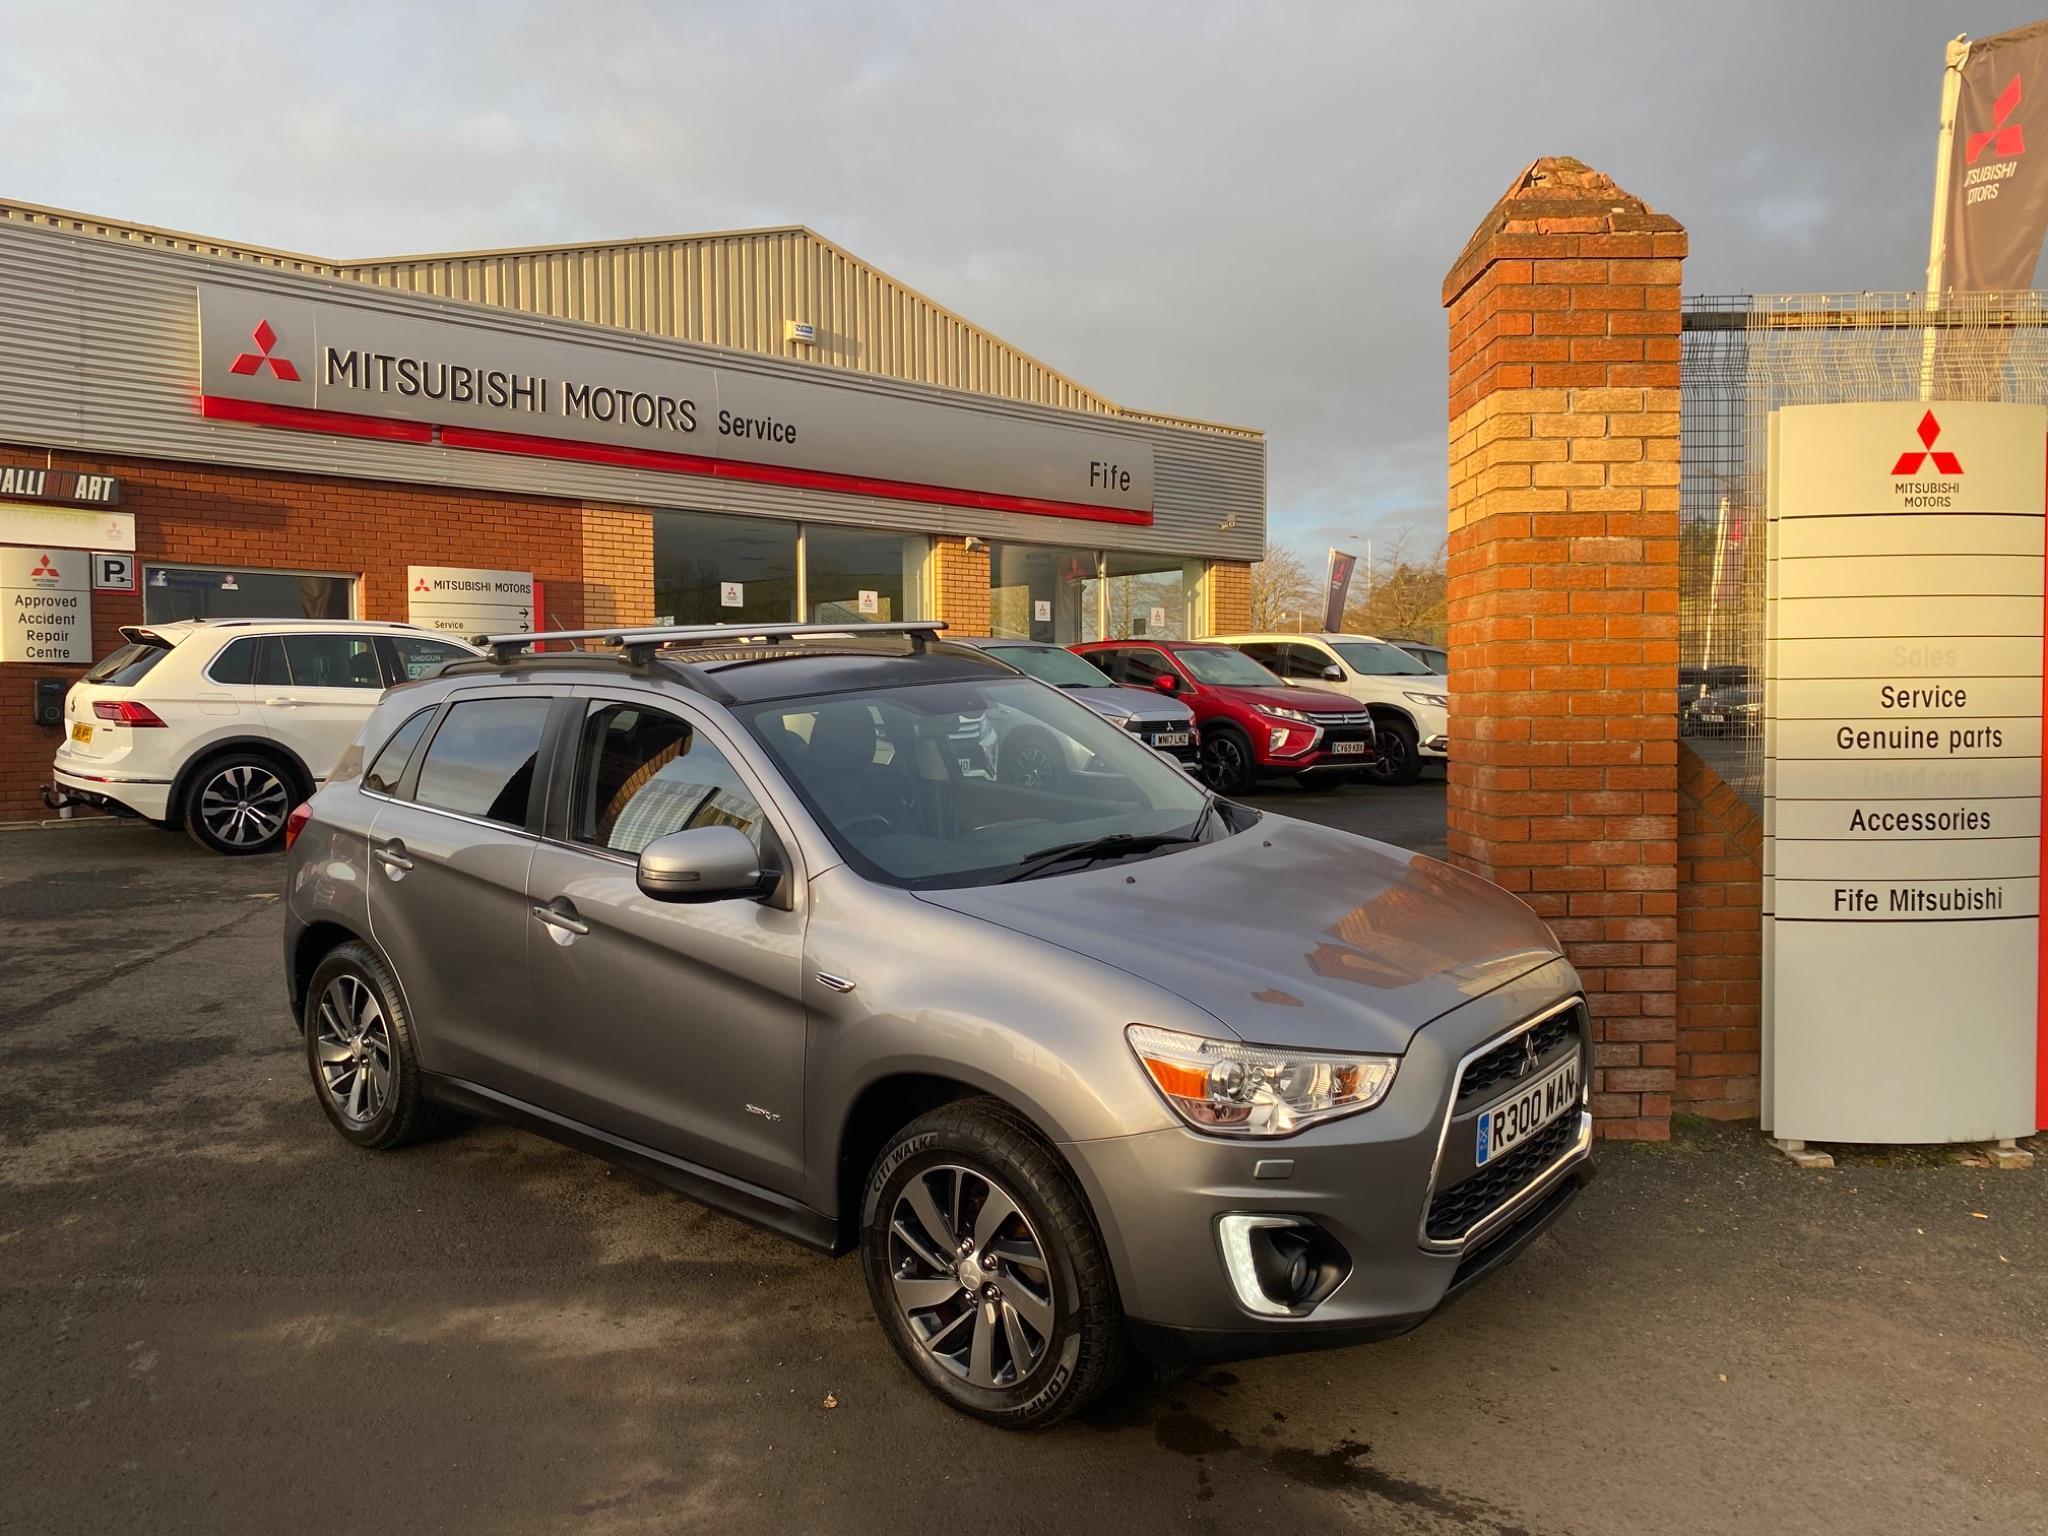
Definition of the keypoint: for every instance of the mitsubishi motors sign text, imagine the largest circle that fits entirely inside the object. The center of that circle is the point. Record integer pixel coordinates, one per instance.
(343, 368)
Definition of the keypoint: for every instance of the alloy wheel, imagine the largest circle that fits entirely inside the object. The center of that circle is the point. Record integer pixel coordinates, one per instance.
(1390, 759)
(1030, 766)
(244, 805)
(1222, 763)
(971, 1276)
(355, 1049)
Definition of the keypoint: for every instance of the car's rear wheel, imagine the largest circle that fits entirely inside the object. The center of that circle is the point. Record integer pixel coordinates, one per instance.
(1227, 765)
(237, 804)
(359, 1049)
(985, 1269)
(1397, 753)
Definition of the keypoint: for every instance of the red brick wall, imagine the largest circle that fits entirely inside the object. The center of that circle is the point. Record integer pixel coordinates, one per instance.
(216, 516)
(1563, 594)
(1720, 946)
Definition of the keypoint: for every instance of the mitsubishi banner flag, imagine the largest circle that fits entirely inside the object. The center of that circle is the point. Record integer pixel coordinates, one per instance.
(1998, 166)
(1337, 589)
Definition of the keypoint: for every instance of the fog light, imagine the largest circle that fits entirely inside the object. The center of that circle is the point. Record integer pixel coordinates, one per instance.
(1280, 1266)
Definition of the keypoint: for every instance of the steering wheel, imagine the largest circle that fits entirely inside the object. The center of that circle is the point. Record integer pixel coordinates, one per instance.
(850, 827)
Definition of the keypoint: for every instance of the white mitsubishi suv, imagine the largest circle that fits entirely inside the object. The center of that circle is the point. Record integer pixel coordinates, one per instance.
(226, 724)
(1410, 704)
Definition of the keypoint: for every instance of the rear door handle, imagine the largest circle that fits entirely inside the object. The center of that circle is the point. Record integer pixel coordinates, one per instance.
(562, 918)
(280, 703)
(391, 856)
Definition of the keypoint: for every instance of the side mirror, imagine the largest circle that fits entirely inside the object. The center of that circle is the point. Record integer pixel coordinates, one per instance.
(702, 864)
(1332, 673)
(1166, 682)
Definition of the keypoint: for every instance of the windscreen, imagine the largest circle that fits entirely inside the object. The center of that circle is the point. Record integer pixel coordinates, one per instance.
(126, 665)
(1221, 667)
(1063, 669)
(957, 783)
(1375, 658)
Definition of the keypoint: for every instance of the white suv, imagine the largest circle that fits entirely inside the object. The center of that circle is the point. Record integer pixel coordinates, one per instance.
(1410, 707)
(226, 724)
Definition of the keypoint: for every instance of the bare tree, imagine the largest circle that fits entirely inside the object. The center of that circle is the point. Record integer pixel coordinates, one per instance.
(1285, 593)
(1400, 596)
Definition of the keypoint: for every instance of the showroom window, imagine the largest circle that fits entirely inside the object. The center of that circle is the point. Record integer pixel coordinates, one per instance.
(854, 575)
(714, 569)
(711, 568)
(172, 592)
(1146, 597)
(1043, 592)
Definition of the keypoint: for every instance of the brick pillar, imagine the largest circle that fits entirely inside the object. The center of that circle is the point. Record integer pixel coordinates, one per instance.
(1564, 335)
(960, 580)
(618, 568)
(1230, 599)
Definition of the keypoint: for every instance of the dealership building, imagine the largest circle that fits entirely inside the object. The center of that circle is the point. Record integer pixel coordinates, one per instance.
(752, 425)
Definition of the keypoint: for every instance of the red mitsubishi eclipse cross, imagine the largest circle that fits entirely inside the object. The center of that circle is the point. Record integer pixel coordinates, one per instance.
(1252, 725)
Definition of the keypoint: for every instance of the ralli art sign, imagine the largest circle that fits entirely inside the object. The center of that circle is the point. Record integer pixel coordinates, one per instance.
(1903, 791)
(344, 369)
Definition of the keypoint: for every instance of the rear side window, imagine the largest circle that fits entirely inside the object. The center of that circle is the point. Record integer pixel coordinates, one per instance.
(125, 667)
(237, 661)
(416, 658)
(333, 661)
(389, 769)
(481, 761)
(270, 668)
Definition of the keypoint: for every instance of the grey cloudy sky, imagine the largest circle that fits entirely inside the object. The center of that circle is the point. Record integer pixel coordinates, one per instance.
(1240, 212)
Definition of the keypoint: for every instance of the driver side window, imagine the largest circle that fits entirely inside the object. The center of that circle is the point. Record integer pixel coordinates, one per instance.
(643, 773)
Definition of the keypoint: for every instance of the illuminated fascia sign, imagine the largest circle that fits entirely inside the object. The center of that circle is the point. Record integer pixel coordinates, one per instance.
(345, 369)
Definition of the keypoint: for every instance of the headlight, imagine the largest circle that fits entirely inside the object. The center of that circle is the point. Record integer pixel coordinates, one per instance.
(1286, 714)
(1229, 1089)
(1440, 700)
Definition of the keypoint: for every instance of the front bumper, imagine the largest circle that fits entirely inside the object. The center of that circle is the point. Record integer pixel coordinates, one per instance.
(1365, 1182)
(148, 798)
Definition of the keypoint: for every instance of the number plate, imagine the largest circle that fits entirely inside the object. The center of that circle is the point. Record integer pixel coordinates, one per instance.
(1170, 739)
(1555, 1093)
(80, 731)
(1341, 748)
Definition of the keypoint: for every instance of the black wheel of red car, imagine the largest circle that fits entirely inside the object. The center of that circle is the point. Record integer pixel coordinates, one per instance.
(1227, 765)
(985, 1269)
(1398, 758)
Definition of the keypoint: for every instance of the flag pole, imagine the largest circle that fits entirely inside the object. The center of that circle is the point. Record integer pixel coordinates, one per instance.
(1944, 158)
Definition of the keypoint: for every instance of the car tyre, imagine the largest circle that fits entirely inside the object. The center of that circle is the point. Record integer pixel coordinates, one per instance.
(237, 804)
(970, 1188)
(1398, 758)
(1029, 759)
(359, 1051)
(1227, 763)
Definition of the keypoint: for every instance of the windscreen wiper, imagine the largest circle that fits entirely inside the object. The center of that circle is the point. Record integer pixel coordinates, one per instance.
(1115, 843)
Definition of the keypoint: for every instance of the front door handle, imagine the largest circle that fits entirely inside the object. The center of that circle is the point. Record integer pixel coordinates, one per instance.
(391, 856)
(561, 916)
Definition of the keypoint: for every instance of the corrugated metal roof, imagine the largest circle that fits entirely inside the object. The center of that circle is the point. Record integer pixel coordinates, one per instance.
(729, 288)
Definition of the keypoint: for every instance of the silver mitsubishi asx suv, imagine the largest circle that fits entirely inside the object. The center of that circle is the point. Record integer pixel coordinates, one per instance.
(1081, 1069)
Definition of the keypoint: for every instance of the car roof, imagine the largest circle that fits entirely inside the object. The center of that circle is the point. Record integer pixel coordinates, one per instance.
(1271, 636)
(372, 626)
(1003, 643)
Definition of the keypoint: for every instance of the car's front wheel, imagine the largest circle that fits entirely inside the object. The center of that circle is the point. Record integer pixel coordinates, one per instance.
(985, 1268)
(238, 804)
(1227, 764)
(1397, 755)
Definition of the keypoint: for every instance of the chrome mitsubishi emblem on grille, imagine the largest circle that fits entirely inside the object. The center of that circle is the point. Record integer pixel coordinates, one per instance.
(1528, 1062)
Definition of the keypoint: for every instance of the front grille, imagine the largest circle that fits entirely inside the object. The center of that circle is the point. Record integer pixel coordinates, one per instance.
(1507, 1061)
(1463, 1206)
(1340, 720)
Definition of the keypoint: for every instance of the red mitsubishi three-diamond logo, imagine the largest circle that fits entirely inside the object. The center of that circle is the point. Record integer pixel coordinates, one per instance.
(255, 362)
(2005, 137)
(1945, 463)
(421, 586)
(44, 571)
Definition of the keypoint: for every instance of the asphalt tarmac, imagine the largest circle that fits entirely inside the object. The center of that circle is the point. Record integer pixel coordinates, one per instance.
(217, 1317)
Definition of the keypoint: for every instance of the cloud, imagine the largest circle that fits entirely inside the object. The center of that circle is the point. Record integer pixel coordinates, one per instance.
(1234, 212)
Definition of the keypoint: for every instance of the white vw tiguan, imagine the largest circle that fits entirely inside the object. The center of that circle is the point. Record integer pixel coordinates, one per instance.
(226, 724)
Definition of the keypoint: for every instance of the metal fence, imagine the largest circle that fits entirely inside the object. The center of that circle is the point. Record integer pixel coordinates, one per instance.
(1742, 357)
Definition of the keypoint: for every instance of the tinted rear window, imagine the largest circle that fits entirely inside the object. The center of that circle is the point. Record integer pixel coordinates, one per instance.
(236, 663)
(481, 761)
(389, 768)
(125, 667)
